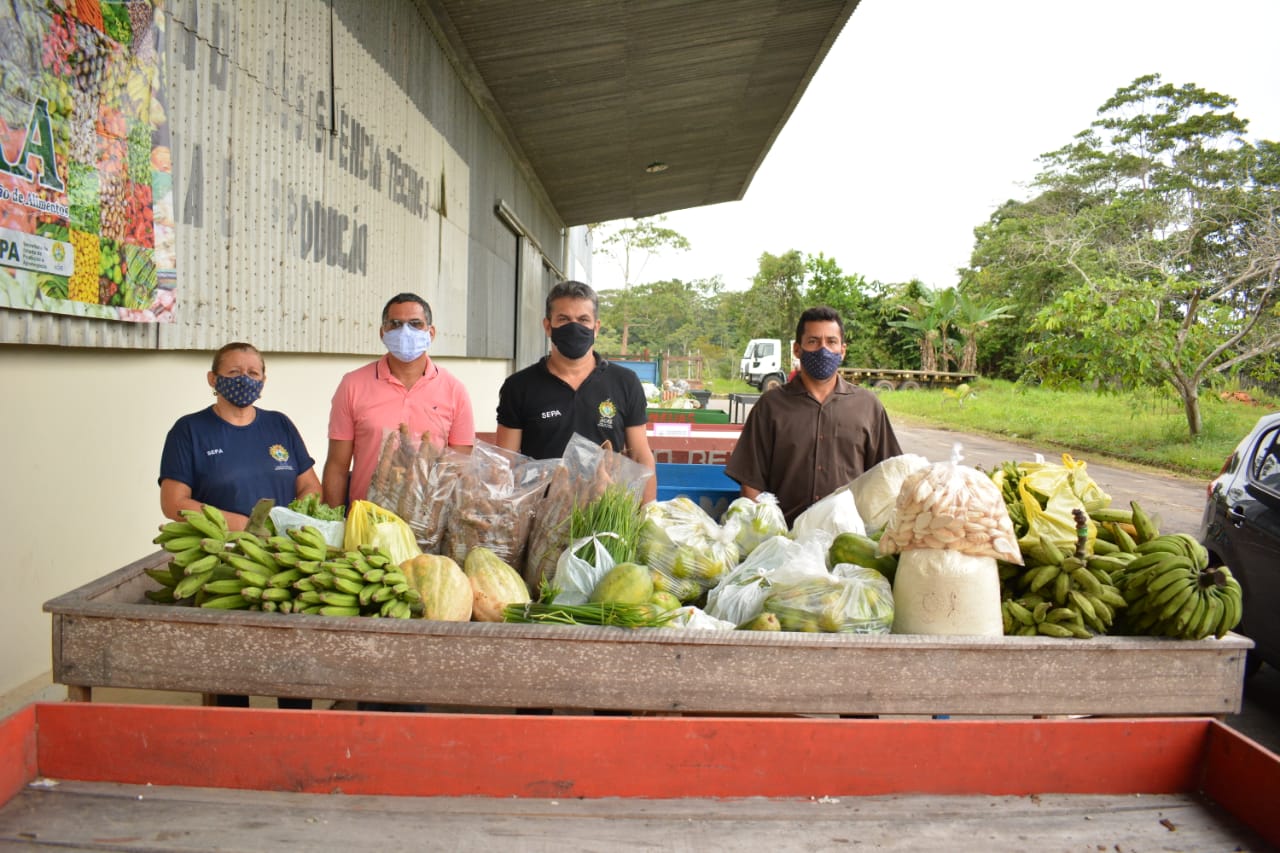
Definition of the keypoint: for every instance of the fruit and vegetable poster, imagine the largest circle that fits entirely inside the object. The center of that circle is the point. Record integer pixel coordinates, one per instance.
(86, 190)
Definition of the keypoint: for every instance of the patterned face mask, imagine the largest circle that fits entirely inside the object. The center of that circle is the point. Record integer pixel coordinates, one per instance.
(240, 391)
(820, 363)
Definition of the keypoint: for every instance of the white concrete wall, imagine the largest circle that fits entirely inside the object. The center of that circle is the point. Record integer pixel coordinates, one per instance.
(82, 432)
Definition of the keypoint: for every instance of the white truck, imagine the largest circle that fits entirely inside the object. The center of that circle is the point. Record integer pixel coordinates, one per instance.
(762, 366)
(762, 363)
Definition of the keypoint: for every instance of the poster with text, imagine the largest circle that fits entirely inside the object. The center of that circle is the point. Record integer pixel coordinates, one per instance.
(86, 189)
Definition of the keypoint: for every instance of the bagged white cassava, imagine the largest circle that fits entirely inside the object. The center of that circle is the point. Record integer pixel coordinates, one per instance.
(946, 592)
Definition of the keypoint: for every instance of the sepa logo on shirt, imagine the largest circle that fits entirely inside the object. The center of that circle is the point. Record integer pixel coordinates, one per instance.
(280, 454)
(607, 411)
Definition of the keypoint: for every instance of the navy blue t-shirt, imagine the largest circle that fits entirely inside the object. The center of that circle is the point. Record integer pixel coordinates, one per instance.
(233, 467)
(548, 412)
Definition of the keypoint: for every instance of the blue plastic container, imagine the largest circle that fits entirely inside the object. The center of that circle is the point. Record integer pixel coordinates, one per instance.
(646, 370)
(706, 485)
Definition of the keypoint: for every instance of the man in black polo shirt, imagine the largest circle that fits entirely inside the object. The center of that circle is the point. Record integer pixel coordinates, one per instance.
(574, 390)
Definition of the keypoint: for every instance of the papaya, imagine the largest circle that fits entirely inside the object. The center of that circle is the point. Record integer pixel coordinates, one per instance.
(446, 592)
(625, 583)
(494, 584)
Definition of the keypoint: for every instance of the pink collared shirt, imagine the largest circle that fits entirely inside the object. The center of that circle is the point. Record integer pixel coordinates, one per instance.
(370, 401)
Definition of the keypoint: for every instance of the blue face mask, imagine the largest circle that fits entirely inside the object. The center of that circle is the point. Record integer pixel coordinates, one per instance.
(407, 343)
(820, 363)
(240, 391)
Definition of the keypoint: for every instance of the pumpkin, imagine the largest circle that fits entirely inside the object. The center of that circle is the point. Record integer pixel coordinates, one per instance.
(445, 590)
(494, 584)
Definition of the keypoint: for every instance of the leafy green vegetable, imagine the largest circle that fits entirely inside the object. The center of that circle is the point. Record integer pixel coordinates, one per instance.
(312, 505)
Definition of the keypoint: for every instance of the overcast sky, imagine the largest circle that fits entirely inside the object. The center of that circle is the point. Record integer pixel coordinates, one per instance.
(928, 114)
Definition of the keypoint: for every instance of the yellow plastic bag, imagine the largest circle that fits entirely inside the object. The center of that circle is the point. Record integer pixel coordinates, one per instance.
(370, 524)
(1049, 479)
(1049, 493)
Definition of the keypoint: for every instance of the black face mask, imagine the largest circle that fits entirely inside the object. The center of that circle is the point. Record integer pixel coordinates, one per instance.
(573, 340)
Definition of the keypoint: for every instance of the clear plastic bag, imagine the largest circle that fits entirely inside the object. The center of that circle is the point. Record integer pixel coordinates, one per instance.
(691, 618)
(680, 540)
(576, 576)
(850, 600)
(284, 519)
(749, 522)
(835, 514)
(875, 491)
(580, 476)
(414, 478)
(951, 506)
(493, 503)
(779, 559)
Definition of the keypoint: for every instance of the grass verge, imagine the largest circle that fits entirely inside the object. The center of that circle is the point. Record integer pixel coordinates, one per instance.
(1144, 427)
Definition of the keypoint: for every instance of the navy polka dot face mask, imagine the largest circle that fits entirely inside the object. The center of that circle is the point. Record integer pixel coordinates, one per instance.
(240, 391)
(820, 363)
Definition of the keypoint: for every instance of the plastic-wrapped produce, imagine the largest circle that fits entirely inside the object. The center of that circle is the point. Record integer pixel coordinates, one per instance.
(851, 600)
(749, 522)
(681, 541)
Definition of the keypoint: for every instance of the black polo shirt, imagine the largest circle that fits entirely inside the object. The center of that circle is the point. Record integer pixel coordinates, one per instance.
(548, 412)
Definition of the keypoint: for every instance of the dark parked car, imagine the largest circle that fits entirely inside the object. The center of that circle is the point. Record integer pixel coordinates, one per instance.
(1241, 529)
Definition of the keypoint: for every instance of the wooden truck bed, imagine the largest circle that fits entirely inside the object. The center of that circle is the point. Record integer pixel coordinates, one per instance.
(106, 634)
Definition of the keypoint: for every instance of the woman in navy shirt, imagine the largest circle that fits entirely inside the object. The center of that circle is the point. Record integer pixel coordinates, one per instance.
(232, 454)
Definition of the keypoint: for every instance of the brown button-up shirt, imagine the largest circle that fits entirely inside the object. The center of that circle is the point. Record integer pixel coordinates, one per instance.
(802, 450)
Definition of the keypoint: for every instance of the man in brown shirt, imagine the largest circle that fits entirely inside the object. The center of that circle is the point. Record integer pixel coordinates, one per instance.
(817, 432)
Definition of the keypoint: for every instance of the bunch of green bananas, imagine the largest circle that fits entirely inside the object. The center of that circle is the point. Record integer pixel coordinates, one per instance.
(196, 545)
(296, 572)
(1173, 592)
(1057, 594)
(1110, 530)
(1068, 596)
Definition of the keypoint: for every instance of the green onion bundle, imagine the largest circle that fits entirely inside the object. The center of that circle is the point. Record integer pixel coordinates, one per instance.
(616, 511)
(598, 613)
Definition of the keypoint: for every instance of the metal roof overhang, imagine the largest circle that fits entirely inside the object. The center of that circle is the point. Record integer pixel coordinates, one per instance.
(592, 92)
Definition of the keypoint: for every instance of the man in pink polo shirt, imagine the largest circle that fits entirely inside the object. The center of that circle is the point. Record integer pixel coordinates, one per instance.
(404, 386)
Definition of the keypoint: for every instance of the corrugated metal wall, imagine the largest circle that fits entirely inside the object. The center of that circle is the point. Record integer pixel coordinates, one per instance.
(326, 156)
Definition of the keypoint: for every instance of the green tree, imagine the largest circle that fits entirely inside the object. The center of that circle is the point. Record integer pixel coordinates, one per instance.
(631, 246)
(862, 305)
(771, 306)
(971, 318)
(1161, 221)
(930, 315)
